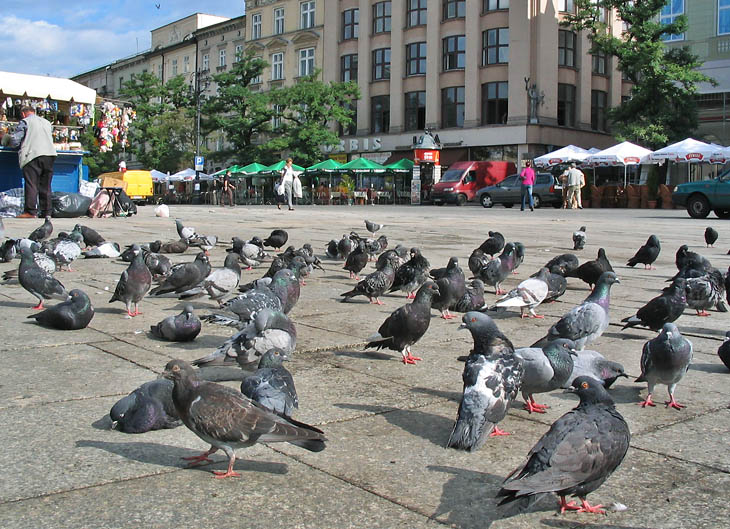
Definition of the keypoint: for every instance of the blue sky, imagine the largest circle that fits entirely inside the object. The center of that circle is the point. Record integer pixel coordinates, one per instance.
(66, 38)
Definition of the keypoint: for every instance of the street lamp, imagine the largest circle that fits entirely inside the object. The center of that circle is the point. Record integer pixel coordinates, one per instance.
(201, 85)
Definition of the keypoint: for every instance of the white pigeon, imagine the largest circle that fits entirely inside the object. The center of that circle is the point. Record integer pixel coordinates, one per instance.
(526, 296)
(219, 281)
(64, 252)
(108, 249)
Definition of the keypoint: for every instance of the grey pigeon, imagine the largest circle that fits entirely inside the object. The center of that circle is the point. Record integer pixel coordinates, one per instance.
(147, 408)
(185, 233)
(579, 452)
(647, 254)
(331, 249)
(546, 368)
(492, 377)
(345, 246)
(665, 359)
(219, 282)
(519, 255)
(498, 269)
(133, 284)
(685, 259)
(586, 322)
(406, 325)
(159, 265)
(38, 281)
(70, 315)
(204, 242)
(412, 274)
(8, 251)
(376, 283)
(593, 364)
(400, 252)
(63, 252)
(724, 350)
(183, 327)
(356, 261)
(706, 292)
(227, 419)
(493, 245)
(527, 295)
(108, 249)
(477, 260)
(590, 271)
(174, 246)
(276, 239)
(557, 285)
(665, 308)
(473, 298)
(272, 385)
(372, 227)
(452, 286)
(562, 264)
(42, 232)
(711, 236)
(184, 276)
(91, 237)
(579, 238)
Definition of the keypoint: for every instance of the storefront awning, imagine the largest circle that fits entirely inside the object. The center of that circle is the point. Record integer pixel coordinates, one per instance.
(42, 87)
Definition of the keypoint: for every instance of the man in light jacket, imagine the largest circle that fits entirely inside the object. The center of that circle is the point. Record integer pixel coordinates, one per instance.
(576, 180)
(36, 156)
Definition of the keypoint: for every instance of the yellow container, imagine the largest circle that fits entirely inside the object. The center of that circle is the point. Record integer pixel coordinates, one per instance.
(139, 183)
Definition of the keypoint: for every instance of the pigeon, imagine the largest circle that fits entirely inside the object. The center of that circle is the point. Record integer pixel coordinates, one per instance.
(38, 281)
(272, 385)
(8, 251)
(133, 284)
(276, 239)
(452, 286)
(109, 250)
(412, 274)
(685, 259)
(586, 322)
(331, 249)
(374, 284)
(498, 269)
(42, 232)
(546, 368)
(593, 364)
(493, 245)
(557, 285)
(473, 298)
(219, 282)
(63, 252)
(477, 260)
(147, 408)
(345, 246)
(181, 328)
(579, 238)
(178, 246)
(204, 242)
(400, 253)
(665, 359)
(251, 250)
(665, 308)
(184, 276)
(42, 259)
(269, 329)
(647, 254)
(227, 419)
(727, 285)
(527, 295)
(579, 452)
(356, 261)
(711, 236)
(159, 265)
(406, 325)
(70, 315)
(562, 264)
(372, 227)
(492, 377)
(590, 271)
(185, 233)
(519, 255)
(706, 292)
(724, 350)
(91, 237)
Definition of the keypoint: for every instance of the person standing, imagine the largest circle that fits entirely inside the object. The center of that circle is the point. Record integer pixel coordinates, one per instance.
(36, 157)
(563, 179)
(527, 176)
(296, 188)
(287, 178)
(228, 188)
(576, 180)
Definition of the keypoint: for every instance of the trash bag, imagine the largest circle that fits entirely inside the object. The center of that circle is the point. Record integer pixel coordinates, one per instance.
(69, 205)
(124, 207)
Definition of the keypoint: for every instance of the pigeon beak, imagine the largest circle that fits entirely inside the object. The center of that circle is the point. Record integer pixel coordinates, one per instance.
(165, 374)
(573, 352)
(623, 375)
(570, 389)
(114, 425)
(461, 327)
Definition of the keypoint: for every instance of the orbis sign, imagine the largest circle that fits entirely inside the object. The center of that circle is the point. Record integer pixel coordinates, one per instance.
(355, 145)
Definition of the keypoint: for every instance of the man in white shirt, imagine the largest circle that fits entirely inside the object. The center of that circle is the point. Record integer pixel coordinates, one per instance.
(287, 178)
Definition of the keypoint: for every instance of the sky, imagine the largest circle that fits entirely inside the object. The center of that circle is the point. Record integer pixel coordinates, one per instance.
(65, 38)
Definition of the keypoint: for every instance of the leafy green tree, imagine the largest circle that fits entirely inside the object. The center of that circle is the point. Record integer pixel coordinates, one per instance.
(662, 107)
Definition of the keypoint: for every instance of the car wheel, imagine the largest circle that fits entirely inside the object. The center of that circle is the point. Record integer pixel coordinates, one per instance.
(460, 199)
(536, 201)
(698, 207)
(722, 213)
(507, 205)
(486, 201)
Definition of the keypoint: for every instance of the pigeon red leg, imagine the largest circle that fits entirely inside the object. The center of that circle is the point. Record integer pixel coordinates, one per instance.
(567, 506)
(230, 473)
(703, 313)
(532, 406)
(587, 507)
(411, 295)
(497, 432)
(647, 402)
(408, 358)
(39, 306)
(671, 403)
(376, 302)
(196, 460)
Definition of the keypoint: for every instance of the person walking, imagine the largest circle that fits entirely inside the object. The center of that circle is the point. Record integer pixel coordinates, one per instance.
(576, 180)
(527, 176)
(563, 179)
(287, 178)
(36, 156)
(228, 188)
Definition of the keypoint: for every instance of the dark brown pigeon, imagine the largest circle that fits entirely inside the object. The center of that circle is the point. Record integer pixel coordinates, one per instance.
(184, 276)
(590, 271)
(133, 284)
(647, 254)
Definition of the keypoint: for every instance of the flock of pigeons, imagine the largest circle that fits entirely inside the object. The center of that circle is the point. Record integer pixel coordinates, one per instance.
(578, 453)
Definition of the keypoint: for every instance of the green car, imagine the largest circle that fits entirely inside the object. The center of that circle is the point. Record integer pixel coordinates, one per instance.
(707, 195)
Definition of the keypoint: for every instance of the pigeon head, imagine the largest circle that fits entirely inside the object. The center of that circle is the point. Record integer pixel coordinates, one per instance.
(77, 295)
(683, 250)
(414, 252)
(608, 278)
(582, 228)
(491, 233)
(478, 285)
(308, 248)
(177, 370)
(188, 309)
(453, 263)
(202, 257)
(478, 323)
(509, 248)
(543, 274)
(591, 391)
(653, 241)
(562, 345)
(519, 249)
(601, 253)
(257, 241)
(610, 371)
(670, 331)
(427, 291)
(273, 358)
(401, 250)
(231, 262)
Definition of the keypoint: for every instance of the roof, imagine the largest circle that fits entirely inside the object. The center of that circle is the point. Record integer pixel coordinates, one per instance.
(40, 86)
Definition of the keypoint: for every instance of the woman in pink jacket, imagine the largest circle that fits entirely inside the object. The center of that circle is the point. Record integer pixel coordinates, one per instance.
(528, 179)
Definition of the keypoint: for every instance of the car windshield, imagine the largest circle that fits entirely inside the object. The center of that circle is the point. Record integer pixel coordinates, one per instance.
(452, 175)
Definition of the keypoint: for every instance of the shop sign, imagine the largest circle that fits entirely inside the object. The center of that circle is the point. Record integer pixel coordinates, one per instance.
(693, 156)
(339, 158)
(631, 159)
(355, 145)
(426, 155)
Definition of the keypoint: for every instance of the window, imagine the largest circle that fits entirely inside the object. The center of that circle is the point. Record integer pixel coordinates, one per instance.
(454, 48)
(257, 79)
(206, 62)
(348, 68)
(415, 117)
(416, 58)
(601, 11)
(566, 48)
(379, 114)
(186, 64)
(174, 67)
(454, 9)
(307, 15)
(121, 83)
(416, 13)
(599, 63)
(494, 5)
(723, 17)
(351, 129)
(566, 105)
(350, 24)
(452, 107)
(256, 26)
(381, 64)
(306, 62)
(278, 21)
(566, 6)
(277, 66)
(494, 103)
(159, 69)
(599, 101)
(495, 46)
(381, 17)
(668, 14)
(276, 118)
(222, 57)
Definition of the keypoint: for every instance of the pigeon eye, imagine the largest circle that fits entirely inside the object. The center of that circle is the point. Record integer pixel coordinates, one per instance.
(473, 319)
(176, 368)
(584, 385)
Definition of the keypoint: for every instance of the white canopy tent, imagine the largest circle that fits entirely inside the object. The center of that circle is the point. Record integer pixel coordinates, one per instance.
(187, 175)
(625, 153)
(42, 87)
(569, 153)
(691, 151)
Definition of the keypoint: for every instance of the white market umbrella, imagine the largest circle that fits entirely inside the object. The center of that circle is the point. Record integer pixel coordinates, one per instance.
(625, 153)
(158, 176)
(569, 153)
(688, 151)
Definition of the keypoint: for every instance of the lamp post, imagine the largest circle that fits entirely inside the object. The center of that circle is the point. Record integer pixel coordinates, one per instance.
(201, 85)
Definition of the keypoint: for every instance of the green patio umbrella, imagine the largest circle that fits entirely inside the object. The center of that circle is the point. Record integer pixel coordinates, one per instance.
(252, 168)
(278, 166)
(325, 166)
(404, 165)
(224, 171)
(361, 165)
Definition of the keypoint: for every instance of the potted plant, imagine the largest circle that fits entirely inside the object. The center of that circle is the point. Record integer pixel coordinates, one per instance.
(347, 183)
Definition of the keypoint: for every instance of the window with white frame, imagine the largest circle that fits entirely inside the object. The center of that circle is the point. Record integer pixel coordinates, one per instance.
(186, 64)
(669, 14)
(256, 26)
(277, 66)
(257, 79)
(566, 6)
(239, 52)
(276, 118)
(206, 62)
(307, 15)
(174, 67)
(159, 70)
(222, 57)
(723, 17)
(278, 21)
(306, 62)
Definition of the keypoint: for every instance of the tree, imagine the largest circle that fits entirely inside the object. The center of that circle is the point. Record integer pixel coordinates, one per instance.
(662, 107)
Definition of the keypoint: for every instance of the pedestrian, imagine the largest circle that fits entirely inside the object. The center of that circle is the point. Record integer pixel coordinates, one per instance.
(287, 178)
(563, 179)
(36, 156)
(228, 188)
(576, 180)
(527, 176)
(296, 188)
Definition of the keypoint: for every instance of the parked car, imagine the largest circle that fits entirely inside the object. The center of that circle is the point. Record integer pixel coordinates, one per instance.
(460, 183)
(704, 196)
(546, 191)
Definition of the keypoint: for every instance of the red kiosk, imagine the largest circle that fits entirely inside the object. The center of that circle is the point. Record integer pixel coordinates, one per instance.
(426, 168)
